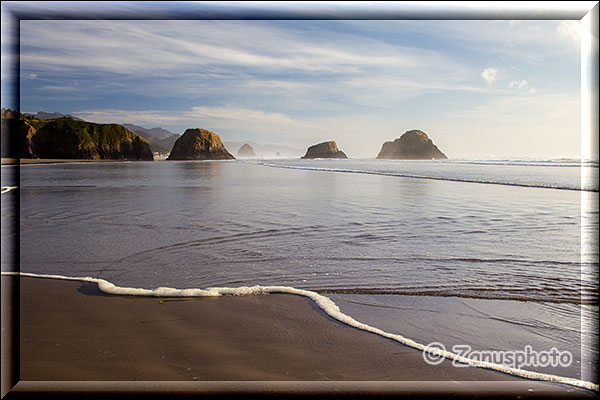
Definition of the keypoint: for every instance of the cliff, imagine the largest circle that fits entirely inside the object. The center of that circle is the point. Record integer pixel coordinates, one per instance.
(324, 150)
(75, 139)
(199, 144)
(412, 145)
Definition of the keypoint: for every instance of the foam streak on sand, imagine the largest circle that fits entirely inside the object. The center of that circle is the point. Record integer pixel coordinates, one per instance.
(327, 305)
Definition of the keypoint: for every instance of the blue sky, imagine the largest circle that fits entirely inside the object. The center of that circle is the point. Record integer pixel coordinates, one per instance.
(478, 88)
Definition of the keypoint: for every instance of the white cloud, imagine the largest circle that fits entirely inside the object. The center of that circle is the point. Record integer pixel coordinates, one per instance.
(59, 88)
(121, 47)
(208, 117)
(490, 75)
(570, 30)
(521, 85)
(518, 84)
(267, 63)
(237, 50)
(299, 80)
(244, 115)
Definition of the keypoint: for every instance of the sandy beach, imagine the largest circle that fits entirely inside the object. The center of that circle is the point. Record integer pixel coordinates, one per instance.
(70, 331)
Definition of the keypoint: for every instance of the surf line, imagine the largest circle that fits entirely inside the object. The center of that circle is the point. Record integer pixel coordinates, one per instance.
(434, 178)
(325, 304)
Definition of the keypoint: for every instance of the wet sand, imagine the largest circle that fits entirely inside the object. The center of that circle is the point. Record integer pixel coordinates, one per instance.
(17, 161)
(70, 331)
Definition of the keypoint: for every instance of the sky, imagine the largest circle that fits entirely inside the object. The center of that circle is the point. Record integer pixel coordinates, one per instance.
(478, 88)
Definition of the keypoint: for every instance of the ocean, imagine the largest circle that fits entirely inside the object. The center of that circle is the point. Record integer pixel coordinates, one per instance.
(499, 255)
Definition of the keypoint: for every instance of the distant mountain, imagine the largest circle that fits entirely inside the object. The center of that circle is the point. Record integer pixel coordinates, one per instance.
(265, 151)
(161, 140)
(165, 145)
(44, 116)
(158, 132)
(66, 137)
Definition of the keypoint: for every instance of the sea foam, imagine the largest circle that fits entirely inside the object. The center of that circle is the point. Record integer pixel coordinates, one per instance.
(436, 178)
(325, 304)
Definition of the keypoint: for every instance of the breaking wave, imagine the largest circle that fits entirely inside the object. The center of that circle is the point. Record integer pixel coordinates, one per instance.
(448, 178)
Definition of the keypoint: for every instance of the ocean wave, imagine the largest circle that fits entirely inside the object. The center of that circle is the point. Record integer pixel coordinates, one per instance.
(325, 304)
(545, 295)
(564, 162)
(433, 177)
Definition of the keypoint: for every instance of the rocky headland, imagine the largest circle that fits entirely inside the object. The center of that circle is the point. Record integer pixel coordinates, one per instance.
(70, 138)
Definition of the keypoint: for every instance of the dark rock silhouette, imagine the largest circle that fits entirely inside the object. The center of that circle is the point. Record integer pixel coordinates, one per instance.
(412, 145)
(324, 150)
(199, 144)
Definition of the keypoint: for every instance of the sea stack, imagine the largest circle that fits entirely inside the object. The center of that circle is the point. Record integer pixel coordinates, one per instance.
(324, 150)
(412, 145)
(199, 144)
(246, 151)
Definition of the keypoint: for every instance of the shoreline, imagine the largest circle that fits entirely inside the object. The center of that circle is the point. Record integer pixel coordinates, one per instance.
(34, 161)
(89, 335)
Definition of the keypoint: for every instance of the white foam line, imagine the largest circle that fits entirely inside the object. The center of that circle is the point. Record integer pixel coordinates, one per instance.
(435, 178)
(327, 305)
(6, 189)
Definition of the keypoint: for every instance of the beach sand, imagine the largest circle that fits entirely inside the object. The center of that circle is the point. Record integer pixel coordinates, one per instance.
(70, 331)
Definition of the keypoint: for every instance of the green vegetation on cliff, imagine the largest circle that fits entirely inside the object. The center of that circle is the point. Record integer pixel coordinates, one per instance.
(73, 139)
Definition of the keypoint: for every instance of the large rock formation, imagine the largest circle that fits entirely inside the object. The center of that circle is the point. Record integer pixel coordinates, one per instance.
(324, 150)
(199, 144)
(412, 145)
(246, 151)
(75, 139)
